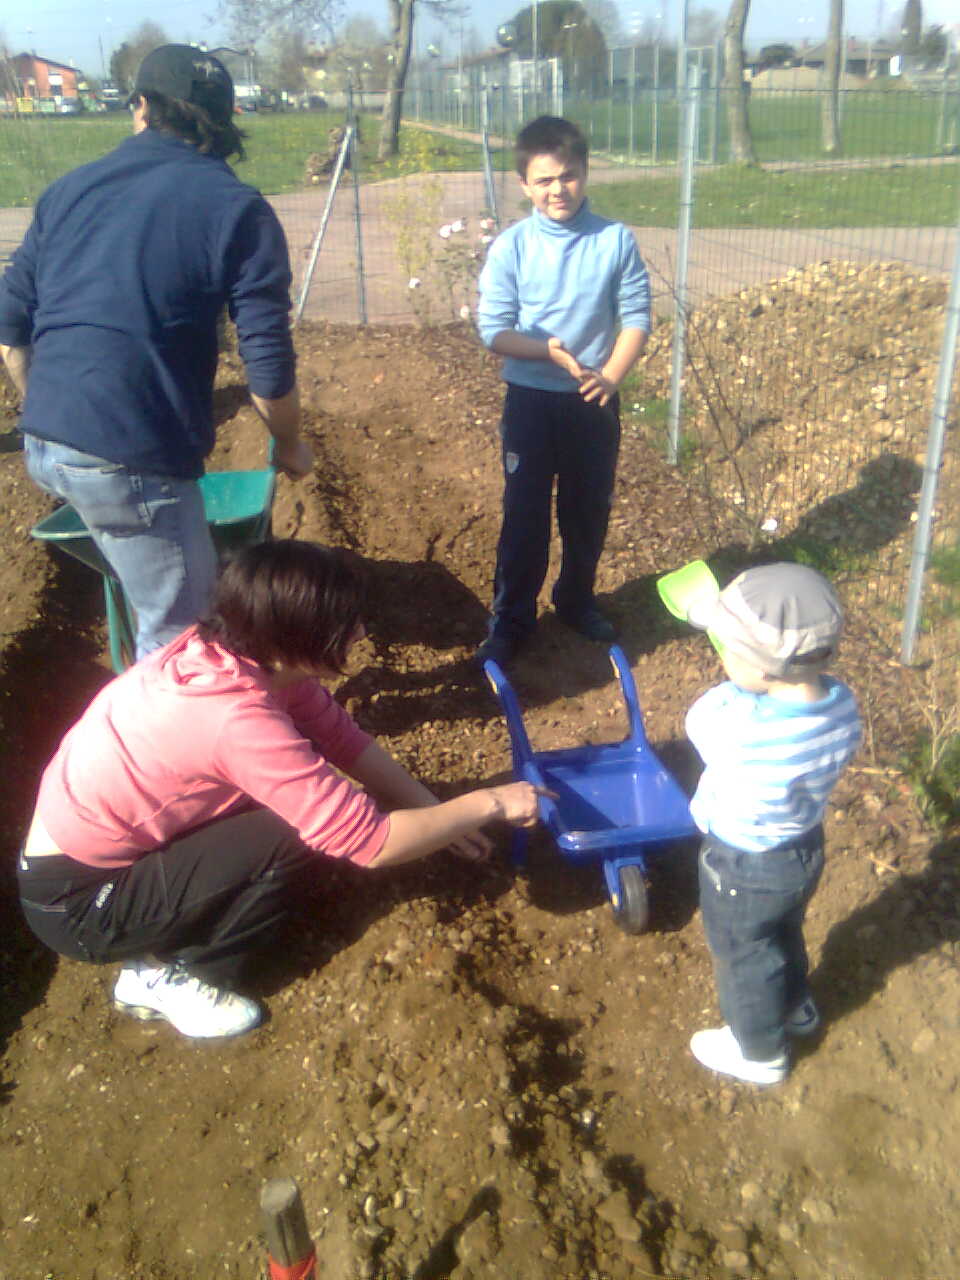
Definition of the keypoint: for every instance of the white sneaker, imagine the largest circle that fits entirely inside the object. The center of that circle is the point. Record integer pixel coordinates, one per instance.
(803, 1019)
(194, 1007)
(718, 1050)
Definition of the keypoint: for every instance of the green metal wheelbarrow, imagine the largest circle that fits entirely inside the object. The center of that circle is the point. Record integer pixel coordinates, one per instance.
(238, 506)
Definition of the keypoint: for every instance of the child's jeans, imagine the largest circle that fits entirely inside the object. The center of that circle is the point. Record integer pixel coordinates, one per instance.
(753, 906)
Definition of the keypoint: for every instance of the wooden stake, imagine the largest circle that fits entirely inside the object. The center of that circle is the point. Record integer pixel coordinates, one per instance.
(284, 1222)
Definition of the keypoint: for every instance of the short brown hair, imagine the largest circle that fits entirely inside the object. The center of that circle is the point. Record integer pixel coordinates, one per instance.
(550, 136)
(288, 603)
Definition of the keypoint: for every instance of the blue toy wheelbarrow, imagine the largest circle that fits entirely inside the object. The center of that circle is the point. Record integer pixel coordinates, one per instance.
(237, 505)
(613, 801)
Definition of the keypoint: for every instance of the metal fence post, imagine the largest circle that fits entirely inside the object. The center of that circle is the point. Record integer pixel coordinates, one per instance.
(488, 165)
(931, 467)
(715, 123)
(610, 101)
(691, 108)
(942, 114)
(655, 121)
(344, 151)
(632, 100)
(357, 220)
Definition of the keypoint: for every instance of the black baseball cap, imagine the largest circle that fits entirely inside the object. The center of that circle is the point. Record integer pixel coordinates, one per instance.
(185, 72)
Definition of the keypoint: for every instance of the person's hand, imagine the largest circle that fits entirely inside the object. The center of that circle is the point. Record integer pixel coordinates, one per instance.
(473, 848)
(517, 802)
(562, 357)
(294, 458)
(594, 386)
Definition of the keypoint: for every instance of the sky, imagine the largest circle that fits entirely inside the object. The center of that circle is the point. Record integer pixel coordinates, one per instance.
(84, 32)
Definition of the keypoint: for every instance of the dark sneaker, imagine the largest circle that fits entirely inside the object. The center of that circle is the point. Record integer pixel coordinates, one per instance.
(803, 1019)
(498, 649)
(591, 624)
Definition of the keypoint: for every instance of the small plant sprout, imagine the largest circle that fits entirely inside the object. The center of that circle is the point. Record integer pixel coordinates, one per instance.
(440, 261)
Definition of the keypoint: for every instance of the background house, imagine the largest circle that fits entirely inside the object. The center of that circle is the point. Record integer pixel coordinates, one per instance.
(865, 58)
(44, 83)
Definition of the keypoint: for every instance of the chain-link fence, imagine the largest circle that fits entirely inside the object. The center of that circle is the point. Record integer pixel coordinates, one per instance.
(804, 306)
(807, 341)
(815, 298)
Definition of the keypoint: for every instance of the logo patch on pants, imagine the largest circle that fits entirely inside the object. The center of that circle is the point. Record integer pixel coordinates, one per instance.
(511, 461)
(103, 895)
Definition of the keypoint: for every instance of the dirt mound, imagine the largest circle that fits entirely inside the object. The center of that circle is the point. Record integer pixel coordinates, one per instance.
(807, 407)
(480, 1075)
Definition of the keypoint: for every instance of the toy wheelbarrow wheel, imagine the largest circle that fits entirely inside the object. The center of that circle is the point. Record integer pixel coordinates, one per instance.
(615, 801)
(631, 901)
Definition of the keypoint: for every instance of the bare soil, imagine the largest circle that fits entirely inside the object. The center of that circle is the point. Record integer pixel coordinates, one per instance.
(477, 1074)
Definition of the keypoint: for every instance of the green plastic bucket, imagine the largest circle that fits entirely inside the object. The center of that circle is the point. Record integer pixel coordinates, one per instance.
(237, 505)
(683, 589)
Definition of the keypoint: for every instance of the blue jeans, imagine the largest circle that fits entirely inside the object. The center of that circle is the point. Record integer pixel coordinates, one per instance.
(151, 530)
(546, 434)
(753, 906)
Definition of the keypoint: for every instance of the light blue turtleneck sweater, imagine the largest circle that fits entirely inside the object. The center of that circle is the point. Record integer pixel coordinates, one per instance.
(580, 281)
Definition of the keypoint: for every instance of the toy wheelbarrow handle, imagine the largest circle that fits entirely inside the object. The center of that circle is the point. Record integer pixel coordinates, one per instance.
(628, 688)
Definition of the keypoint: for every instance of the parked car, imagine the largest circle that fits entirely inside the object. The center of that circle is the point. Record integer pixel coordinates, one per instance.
(111, 99)
(69, 107)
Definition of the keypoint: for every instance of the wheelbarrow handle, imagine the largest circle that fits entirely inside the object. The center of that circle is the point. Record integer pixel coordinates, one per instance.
(628, 689)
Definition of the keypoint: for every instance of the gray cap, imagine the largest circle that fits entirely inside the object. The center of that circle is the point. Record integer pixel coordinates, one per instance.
(772, 615)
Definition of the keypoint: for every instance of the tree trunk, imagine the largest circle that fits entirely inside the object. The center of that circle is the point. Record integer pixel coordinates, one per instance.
(832, 67)
(401, 34)
(736, 88)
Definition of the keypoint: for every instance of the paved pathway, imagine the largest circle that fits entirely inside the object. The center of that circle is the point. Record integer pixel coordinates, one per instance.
(721, 261)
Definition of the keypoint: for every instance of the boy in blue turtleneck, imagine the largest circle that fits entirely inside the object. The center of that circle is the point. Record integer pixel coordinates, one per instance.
(565, 298)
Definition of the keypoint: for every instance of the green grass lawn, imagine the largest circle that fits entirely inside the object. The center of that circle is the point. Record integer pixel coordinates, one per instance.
(785, 126)
(34, 151)
(729, 196)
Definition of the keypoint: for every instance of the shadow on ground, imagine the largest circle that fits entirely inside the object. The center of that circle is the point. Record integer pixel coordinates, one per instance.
(49, 674)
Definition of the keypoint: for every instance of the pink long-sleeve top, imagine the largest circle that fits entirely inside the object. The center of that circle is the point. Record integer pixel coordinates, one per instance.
(193, 733)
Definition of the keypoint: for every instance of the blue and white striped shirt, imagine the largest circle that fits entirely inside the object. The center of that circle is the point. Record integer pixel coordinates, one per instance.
(769, 764)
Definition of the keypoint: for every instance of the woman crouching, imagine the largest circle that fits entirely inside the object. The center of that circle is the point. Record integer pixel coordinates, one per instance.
(182, 811)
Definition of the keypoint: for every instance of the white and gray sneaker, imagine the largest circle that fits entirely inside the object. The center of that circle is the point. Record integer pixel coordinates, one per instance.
(803, 1019)
(718, 1049)
(149, 990)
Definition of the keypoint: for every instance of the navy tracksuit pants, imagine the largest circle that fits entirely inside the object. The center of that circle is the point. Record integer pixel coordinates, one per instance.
(546, 434)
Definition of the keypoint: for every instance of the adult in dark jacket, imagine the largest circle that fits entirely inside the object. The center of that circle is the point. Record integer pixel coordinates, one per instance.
(108, 326)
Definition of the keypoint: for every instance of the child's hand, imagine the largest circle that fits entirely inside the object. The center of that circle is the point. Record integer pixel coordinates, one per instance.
(594, 386)
(562, 357)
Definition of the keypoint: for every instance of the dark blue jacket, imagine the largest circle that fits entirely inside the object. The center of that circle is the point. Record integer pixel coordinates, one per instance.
(117, 288)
